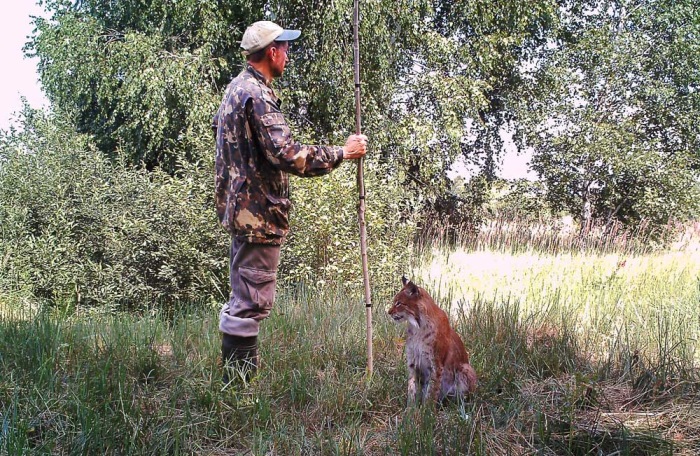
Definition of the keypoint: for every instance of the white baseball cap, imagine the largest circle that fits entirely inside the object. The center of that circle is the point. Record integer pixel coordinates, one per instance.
(262, 33)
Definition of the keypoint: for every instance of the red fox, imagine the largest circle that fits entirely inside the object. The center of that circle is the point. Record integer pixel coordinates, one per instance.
(438, 363)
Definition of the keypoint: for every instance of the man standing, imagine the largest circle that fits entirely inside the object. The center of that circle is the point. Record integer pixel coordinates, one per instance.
(255, 152)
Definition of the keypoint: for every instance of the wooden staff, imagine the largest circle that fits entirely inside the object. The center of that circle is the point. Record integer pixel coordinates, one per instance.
(361, 189)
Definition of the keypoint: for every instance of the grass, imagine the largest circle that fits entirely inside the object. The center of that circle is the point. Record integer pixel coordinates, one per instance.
(577, 354)
(644, 300)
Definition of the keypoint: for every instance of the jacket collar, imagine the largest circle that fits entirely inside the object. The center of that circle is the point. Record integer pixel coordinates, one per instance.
(261, 79)
(257, 75)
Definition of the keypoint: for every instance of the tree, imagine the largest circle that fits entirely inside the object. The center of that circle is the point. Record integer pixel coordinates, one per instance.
(490, 42)
(457, 97)
(613, 118)
(144, 79)
(145, 76)
(589, 83)
(138, 75)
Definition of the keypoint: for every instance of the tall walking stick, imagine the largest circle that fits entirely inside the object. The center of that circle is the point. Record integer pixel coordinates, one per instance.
(361, 189)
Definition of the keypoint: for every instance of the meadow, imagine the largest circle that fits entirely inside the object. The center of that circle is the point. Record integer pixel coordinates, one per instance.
(579, 351)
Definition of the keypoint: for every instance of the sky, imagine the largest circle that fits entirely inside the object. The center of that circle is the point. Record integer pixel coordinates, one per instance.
(21, 79)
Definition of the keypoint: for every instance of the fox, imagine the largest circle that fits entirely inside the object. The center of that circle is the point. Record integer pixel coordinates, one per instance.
(438, 362)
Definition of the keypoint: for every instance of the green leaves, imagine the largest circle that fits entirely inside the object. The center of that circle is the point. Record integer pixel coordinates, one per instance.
(606, 93)
(139, 77)
(611, 125)
(80, 230)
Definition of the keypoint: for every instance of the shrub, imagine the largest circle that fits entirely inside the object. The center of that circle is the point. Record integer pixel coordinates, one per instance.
(79, 229)
(324, 244)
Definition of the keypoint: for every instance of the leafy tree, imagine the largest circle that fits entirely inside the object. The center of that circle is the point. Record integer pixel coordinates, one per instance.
(145, 76)
(144, 79)
(138, 75)
(488, 40)
(613, 119)
(454, 97)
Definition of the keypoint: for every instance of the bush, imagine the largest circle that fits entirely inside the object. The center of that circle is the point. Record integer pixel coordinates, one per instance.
(519, 198)
(324, 244)
(78, 229)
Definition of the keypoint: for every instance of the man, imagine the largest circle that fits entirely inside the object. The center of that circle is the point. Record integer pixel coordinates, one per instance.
(255, 152)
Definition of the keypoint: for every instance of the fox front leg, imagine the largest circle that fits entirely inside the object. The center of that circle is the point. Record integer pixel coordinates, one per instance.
(435, 383)
(412, 387)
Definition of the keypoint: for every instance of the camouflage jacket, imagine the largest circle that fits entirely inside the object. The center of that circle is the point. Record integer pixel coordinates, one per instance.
(254, 152)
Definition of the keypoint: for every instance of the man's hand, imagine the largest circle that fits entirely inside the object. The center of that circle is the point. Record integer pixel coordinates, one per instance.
(355, 147)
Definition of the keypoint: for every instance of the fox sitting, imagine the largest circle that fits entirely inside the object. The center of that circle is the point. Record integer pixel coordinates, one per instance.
(438, 363)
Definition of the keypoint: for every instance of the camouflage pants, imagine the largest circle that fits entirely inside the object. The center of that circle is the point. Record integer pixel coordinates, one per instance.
(253, 276)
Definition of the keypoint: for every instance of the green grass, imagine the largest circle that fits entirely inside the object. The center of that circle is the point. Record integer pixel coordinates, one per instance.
(648, 303)
(577, 355)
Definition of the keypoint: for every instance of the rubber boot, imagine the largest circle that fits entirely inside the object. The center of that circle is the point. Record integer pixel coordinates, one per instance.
(239, 357)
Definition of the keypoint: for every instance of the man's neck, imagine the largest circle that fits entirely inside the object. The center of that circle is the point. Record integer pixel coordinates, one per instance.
(264, 70)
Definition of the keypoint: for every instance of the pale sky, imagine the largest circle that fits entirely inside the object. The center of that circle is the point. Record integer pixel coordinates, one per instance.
(19, 77)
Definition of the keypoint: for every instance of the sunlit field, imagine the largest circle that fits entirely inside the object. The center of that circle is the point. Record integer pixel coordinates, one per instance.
(645, 300)
(577, 353)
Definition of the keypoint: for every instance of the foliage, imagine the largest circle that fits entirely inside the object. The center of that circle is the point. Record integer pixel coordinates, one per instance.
(605, 91)
(143, 80)
(324, 244)
(458, 213)
(151, 80)
(145, 77)
(472, 52)
(78, 229)
(518, 199)
(453, 97)
(613, 120)
(137, 79)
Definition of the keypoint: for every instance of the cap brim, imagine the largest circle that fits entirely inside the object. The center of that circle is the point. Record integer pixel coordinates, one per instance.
(289, 35)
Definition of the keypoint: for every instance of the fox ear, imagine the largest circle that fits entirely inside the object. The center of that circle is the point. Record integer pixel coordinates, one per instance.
(412, 288)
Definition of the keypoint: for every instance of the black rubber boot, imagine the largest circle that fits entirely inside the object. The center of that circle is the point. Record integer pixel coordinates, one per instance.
(239, 357)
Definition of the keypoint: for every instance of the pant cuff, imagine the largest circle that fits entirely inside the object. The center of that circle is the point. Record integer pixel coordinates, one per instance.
(236, 326)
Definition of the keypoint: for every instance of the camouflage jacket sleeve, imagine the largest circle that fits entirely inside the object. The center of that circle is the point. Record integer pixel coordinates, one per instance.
(275, 139)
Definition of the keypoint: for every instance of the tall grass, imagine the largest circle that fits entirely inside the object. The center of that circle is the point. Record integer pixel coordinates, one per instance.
(641, 298)
(582, 353)
(558, 236)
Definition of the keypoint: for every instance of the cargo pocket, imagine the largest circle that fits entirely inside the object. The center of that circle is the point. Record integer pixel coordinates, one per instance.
(259, 286)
